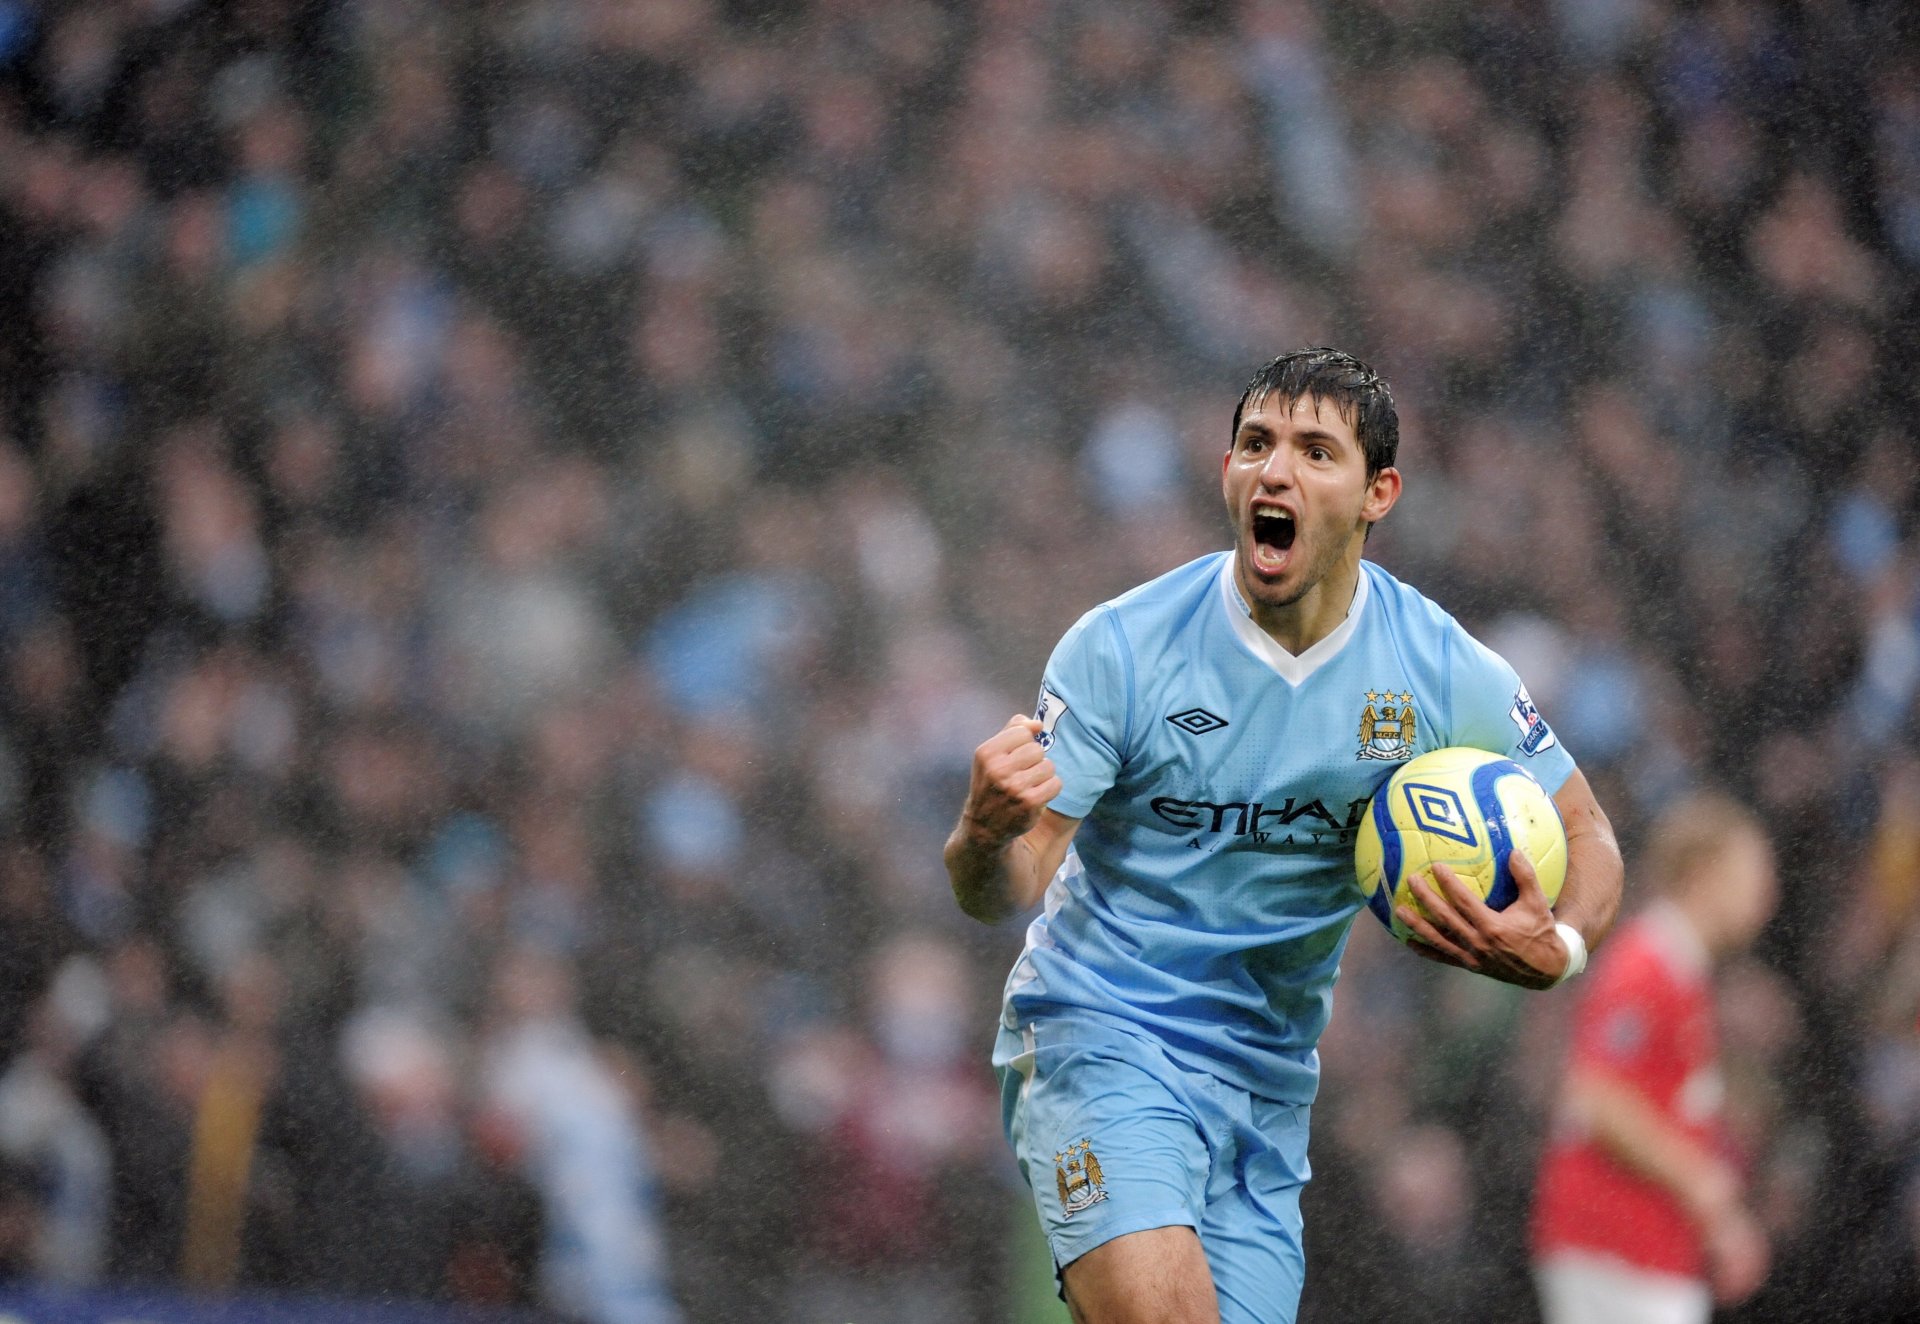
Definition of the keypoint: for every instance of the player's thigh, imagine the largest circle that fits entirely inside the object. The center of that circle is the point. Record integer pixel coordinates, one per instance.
(1593, 1289)
(1157, 1276)
(1252, 1227)
(1106, 1134)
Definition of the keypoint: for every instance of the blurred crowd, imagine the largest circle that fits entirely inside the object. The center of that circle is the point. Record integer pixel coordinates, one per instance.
(513, 516)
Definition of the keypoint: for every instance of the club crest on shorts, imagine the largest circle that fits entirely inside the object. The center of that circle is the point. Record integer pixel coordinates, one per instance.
(1387, 726)
(1077, 1175)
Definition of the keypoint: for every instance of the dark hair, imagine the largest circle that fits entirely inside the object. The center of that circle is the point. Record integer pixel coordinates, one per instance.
(1335, 376)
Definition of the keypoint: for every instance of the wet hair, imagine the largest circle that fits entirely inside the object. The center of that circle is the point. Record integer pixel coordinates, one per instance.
(1336, 377)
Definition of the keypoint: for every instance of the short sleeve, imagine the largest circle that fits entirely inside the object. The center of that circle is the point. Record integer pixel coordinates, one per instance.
(1622, 1029)
(1084, 707)
(1491, 709)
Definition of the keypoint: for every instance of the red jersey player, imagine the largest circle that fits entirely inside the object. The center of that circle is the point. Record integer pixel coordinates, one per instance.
(1639, 1217)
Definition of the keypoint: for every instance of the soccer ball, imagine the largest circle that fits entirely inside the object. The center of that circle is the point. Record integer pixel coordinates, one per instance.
(1464, 808)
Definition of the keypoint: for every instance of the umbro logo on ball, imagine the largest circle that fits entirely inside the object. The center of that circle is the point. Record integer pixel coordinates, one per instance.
(1197, 721)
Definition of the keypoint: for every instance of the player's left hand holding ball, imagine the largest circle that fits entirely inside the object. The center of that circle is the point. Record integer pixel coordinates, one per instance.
(1517, 945)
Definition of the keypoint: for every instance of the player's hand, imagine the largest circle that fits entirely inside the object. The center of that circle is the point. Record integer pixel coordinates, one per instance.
(1013, 780)
(1516, 945)
(1737, 1256)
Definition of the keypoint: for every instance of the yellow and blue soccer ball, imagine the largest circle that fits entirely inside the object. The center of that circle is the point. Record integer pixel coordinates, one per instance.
(1464, 808)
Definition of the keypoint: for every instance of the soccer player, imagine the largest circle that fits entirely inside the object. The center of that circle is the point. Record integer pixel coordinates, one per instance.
(1185, 798)
(1639, 1218)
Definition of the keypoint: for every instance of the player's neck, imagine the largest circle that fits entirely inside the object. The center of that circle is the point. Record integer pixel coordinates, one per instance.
(1316, 613)
(1698, 937)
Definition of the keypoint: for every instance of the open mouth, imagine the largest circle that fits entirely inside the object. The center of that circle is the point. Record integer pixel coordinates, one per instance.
(1273, 532)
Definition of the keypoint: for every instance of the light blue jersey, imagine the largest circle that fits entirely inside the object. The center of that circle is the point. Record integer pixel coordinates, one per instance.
(1208, 894)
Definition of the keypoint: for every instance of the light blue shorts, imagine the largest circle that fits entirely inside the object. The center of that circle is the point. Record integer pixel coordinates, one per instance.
(1114, 1137)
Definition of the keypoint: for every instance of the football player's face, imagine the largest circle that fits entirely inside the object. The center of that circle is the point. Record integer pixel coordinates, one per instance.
(1299, 496)
(1748, 887)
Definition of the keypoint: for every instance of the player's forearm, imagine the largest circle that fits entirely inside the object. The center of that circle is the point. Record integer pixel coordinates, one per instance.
(991, 879)
(1590, 896)
(1640, 1138)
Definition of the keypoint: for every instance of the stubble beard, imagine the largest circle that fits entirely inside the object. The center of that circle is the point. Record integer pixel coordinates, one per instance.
(1313, 572)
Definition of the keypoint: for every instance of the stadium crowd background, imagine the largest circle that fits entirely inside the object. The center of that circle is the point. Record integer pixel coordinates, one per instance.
(513, 516)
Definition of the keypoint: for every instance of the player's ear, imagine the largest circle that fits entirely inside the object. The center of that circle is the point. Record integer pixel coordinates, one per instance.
(1383, 489)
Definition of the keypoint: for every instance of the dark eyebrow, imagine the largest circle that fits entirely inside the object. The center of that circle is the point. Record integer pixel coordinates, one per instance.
(1251, 427)
(1254, 428)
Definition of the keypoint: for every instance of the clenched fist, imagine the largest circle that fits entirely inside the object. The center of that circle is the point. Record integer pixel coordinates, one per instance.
(1013, 780)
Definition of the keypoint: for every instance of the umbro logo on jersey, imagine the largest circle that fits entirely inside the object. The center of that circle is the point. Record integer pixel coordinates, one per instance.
(1197, 721)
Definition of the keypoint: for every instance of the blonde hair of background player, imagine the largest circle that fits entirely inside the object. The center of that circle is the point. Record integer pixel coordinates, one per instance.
(1709, 856)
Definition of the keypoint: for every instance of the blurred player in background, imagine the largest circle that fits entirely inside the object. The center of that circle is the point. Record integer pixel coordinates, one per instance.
(1185, 797)
(1639, 1217)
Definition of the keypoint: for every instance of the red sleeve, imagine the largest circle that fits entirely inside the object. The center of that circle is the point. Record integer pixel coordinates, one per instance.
(1624, 1025)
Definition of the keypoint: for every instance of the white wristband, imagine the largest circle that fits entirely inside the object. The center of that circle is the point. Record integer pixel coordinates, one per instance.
(1576, 952)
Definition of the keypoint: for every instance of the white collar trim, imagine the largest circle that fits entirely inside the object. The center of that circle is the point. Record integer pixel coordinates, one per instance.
(1290, 668)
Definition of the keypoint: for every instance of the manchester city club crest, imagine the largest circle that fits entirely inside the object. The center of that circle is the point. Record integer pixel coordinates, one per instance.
(1387, 726)
(1077, 1175)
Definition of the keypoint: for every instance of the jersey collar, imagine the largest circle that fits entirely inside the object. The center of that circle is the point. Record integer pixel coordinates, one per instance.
(1289, 667)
